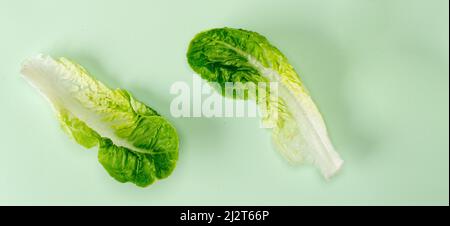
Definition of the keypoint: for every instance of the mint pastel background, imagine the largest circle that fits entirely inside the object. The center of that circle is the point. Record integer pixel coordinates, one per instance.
(378, 71)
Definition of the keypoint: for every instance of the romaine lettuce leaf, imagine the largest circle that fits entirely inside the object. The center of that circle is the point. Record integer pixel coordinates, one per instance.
(234, 55)
(135, 143)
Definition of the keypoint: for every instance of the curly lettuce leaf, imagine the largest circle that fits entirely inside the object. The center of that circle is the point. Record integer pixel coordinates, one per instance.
(135, 143)
(142, 169)
(235, 55)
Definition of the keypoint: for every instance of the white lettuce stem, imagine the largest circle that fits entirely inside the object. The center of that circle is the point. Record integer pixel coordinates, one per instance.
(308, 138)
(318, 148)
(68, 89)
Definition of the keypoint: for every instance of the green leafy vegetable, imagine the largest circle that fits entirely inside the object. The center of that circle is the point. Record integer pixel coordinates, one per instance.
(135, 143)
(235, 55)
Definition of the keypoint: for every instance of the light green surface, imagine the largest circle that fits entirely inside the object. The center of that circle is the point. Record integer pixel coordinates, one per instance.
(378, 70)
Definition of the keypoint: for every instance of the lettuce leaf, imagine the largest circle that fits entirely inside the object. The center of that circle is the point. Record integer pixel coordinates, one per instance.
(135, 143)
(234, 55)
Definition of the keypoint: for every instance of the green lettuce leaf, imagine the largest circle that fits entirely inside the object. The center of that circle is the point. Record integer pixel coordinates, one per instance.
(235, 55)
(135, 143)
